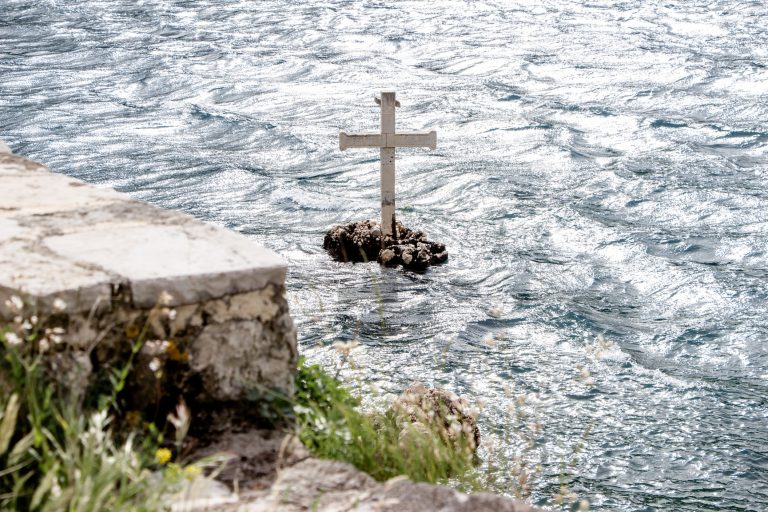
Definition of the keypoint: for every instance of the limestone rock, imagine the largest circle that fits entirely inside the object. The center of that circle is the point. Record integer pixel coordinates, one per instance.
(255, 456)
(332, 486)
(205, 305)
(272, 472)
(362, 241)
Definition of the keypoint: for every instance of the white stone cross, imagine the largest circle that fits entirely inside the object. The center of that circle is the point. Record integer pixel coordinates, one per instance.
(387, 141)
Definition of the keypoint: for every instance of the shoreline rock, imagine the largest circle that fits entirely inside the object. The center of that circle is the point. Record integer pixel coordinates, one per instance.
(332, 486)
(362, 242)
(440, 411)
(273, 472)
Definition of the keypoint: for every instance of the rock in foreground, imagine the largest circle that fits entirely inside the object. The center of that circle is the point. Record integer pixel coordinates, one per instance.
(363, 241)
(331, 486)
(275, 473)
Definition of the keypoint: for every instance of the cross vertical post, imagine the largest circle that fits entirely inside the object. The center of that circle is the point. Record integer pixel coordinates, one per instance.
(387, 155)
(387, 141)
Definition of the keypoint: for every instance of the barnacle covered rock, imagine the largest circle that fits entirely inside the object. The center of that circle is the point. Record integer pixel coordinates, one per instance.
(363, 241)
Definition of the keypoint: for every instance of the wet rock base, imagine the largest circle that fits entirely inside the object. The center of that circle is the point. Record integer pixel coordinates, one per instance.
(362, 241)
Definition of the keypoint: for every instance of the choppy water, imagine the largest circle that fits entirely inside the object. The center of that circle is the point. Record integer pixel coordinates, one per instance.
(602, 169)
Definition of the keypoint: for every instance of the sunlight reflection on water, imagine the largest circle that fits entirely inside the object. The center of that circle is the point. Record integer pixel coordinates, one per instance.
(601, 169)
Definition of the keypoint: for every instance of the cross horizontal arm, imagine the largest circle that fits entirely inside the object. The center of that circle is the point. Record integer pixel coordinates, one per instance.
(361, 140)
(412, 140)
(388, 140)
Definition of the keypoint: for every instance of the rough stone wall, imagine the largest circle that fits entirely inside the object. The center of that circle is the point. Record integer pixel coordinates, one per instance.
(218, 350)
(205, 306)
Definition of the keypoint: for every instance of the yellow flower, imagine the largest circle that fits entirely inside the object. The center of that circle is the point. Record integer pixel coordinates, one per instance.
(174, 354)
(163, 455)
(192, 472)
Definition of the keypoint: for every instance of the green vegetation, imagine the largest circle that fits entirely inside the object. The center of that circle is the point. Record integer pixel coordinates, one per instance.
(331, 425)
(56, 458)
(61, 451)
(58, 448)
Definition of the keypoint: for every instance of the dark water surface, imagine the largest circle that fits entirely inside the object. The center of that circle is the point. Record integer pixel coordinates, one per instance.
(601, 169)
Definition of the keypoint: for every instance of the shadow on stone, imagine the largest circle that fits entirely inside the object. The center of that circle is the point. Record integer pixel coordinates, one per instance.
(362, 241)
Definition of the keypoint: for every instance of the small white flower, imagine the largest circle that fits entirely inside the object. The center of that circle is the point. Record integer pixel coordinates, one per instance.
(490, 340)
(496, 312)
(165, 298)
(154, 365)
(12, 338)
(180, 420)
(33, 319)
(44, 345)
(54, 334)
(14, 304)
(345, 348)
(59, 305)
(26, 325)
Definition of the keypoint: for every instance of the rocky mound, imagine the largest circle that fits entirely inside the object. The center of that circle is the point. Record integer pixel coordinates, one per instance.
(362, 241)
(439, 411)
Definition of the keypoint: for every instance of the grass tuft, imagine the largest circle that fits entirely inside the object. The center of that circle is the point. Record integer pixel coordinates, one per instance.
(332, 425)
(55, 456)
(59, 450)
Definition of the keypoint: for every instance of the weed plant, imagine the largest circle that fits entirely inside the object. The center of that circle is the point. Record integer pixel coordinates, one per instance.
(510, 461)
(331, 425)
(56, 453)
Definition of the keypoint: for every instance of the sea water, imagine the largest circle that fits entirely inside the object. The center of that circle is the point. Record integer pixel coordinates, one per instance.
(600, 181)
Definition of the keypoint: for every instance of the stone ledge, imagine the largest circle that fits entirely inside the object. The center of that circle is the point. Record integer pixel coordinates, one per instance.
(332, 486)
(221, 330)
(63, 238)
